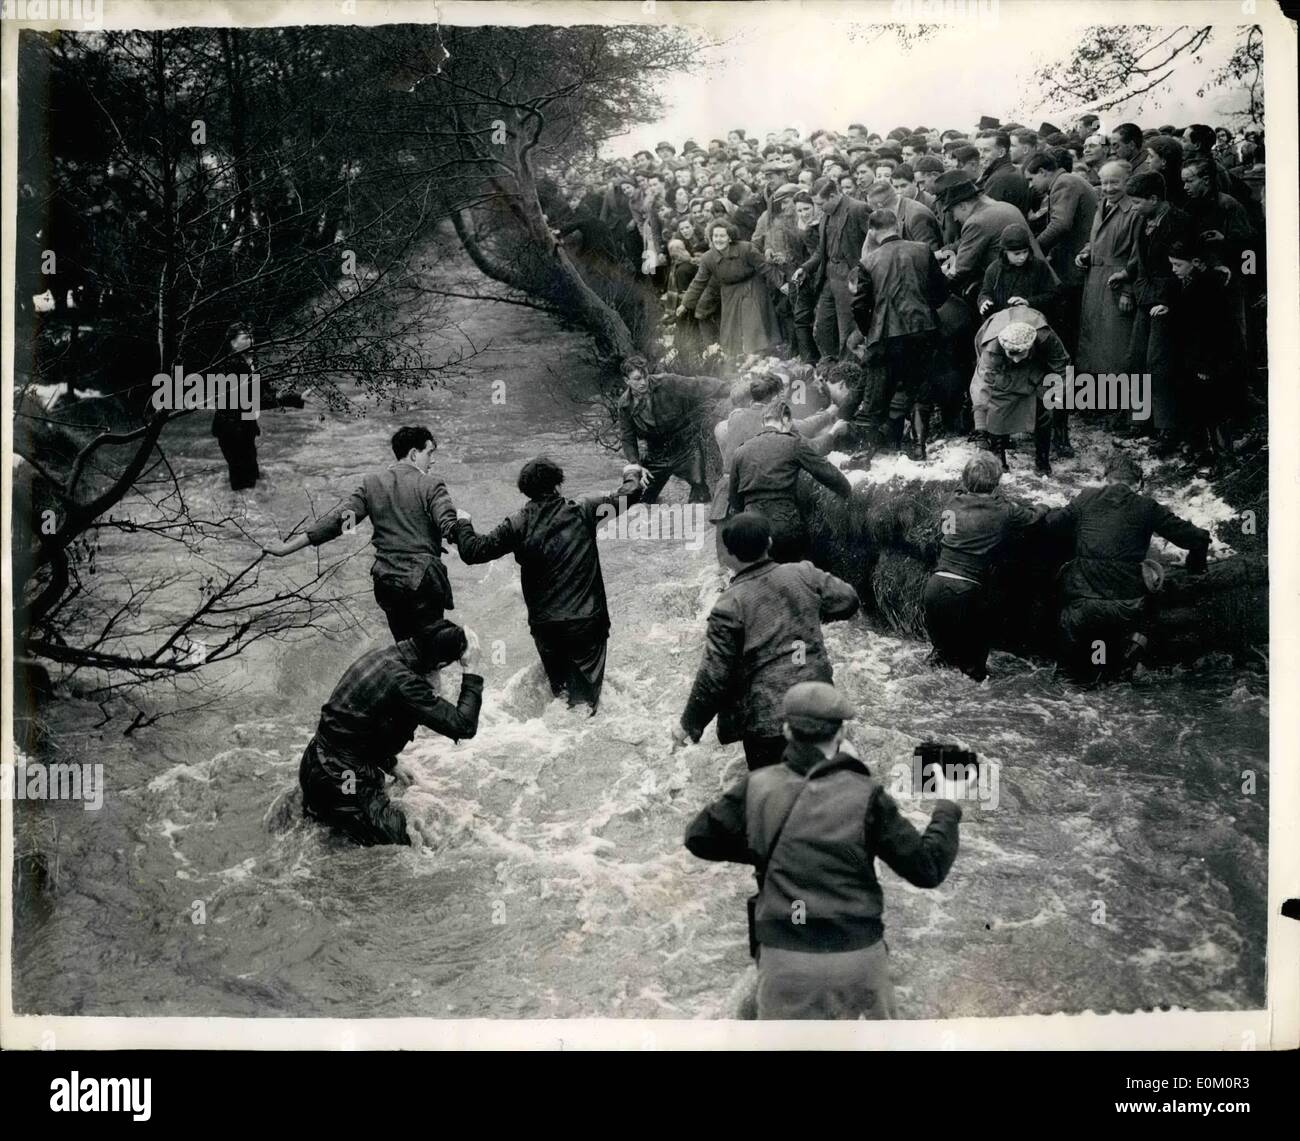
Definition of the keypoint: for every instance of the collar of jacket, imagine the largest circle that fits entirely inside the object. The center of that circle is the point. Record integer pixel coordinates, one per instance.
(993, 167)
(801, 757)
(891, 238)
(754, 568)
(1123, 202)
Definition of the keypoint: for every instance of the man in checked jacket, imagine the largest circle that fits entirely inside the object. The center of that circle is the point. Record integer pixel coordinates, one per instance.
(764, 635)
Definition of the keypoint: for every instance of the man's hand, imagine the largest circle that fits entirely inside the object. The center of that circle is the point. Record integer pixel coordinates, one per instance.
(1211, 235)
(797, 277)
(642, 475)
(279, 550)
(681, 311)
(1125, 303)
(1017, 301)
(1115, 280)
(1082, 258)
(463, 515)
(985, 306)
(469, 659)
(1159, 310)
(679, 737)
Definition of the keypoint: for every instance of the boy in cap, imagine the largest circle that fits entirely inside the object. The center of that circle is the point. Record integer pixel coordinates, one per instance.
(812, 827)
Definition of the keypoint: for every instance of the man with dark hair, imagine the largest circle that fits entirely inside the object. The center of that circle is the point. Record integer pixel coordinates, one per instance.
(812, 826)
(553, 540)
(235, 433)
(764, 479)
(1064, 226)
(371, 717)
(916, 223)
(843, 230)
(764, 634)
(999, 178)
(1106, 600)
(410, 513)
(900, 289)
(1127, 144)
(666, 411)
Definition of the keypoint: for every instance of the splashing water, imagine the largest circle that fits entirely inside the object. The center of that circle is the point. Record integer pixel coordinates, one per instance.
(1121, 867)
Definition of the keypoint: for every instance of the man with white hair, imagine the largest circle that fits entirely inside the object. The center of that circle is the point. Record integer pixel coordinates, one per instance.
(1106, 310)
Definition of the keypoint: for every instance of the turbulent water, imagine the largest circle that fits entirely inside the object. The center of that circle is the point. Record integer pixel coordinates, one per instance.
(1118, 867)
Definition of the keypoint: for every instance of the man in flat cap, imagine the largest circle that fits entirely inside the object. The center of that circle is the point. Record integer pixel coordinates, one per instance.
(812, 827)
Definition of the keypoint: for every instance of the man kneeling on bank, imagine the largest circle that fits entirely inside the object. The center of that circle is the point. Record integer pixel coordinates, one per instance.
(371, 717)
(812, 827)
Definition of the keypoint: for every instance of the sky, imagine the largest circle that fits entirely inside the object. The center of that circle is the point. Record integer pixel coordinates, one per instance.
(798, 68)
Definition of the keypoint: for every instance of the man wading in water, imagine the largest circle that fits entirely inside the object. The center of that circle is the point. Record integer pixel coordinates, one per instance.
(410, 514)
(371, 717)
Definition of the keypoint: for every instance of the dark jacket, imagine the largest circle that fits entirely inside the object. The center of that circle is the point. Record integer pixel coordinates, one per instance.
(231, 422)
(764, 635)
(840, 240)
(1034, 281)
(1003, 182)
(1071, 204)
(825, 857)
(667, 415)
(974, 525)
(410, 514)
(767, 466)
(554, 543)
(374, 710)
(1112, 528)
(898, 291)
(1204, 336)
(981, 242)
(1148, 267)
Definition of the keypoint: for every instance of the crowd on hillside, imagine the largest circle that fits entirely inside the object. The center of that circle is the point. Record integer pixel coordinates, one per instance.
(1123, 250)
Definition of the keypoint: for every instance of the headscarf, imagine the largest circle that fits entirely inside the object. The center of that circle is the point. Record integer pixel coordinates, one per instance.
(1017, 337)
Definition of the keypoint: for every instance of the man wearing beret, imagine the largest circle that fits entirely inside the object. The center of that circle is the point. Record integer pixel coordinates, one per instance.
(812, 827)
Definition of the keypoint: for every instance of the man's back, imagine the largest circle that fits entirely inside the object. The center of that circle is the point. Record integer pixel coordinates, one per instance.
(1113, 526)
(381, 698)
(767, 466)
(559, 566)
(901, 275)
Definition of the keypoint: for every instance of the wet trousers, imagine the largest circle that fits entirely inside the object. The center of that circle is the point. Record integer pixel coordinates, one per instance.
(573, 656)
(825, 985)
(240, 452)
(957, 620)
(407, 610)
(349, 795)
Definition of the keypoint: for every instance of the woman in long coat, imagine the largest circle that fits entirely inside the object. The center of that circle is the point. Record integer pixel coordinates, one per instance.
(1018, 351)
(1106, 314)
(743, 275)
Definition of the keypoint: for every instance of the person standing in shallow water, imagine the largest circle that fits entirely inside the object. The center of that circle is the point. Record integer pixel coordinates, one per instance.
(764, 634)
(812, 826)
(975, 522)
(410, 514)
(554, 542)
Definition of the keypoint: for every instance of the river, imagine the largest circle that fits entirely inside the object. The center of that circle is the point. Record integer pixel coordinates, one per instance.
(1119, 866)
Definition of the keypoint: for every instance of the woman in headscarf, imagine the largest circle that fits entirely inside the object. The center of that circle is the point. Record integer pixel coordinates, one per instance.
(749, 322)
(956, 596)
(1018, 351)
(1019, 276)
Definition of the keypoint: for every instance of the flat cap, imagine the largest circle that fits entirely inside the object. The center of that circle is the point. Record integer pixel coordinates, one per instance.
(786, 190)
(818, 700)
